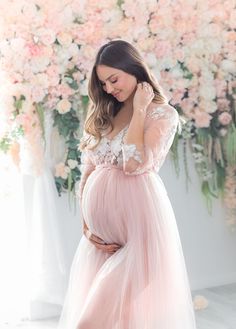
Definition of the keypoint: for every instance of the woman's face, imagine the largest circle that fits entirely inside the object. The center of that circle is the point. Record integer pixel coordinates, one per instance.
(116, 82)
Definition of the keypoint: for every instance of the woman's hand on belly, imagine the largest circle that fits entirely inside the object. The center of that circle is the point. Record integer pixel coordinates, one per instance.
(101, 244)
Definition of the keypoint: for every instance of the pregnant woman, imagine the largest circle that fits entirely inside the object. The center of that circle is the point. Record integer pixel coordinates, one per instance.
(129, 270)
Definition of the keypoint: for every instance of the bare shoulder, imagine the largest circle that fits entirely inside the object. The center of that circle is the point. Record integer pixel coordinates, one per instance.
(165, 111)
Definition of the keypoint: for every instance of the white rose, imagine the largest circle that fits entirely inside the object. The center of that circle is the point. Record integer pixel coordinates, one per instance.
(64, 38)
(208, 106)
(39, 64)
(83, 88)
(228, 66)
(214, 45)
(30, 10)
(41, 79)
(63, 106)
(72, 163)
(151, 59)
(156, 73)
(47, 36)
(207, 92)
(73, 49)
(165, 63)
(176, 72)
(18, 45)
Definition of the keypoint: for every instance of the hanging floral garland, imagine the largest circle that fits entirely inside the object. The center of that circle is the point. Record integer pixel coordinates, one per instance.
(46, 53)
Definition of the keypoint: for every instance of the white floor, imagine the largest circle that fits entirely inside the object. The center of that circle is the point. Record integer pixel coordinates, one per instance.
(219, 314)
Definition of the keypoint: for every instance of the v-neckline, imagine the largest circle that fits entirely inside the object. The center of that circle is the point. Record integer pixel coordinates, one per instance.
(116, 135)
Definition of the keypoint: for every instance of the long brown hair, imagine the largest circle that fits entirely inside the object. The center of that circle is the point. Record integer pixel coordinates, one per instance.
(121, 55)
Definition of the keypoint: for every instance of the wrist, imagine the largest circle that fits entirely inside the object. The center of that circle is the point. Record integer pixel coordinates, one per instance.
(140, 110)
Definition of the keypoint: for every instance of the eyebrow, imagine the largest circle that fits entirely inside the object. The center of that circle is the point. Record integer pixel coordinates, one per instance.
(108, 77)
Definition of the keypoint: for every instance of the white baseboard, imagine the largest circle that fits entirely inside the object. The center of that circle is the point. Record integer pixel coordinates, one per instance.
(215, 281)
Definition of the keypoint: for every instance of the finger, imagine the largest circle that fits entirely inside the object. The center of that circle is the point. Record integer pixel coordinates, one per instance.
(96, 239)
(147, 86)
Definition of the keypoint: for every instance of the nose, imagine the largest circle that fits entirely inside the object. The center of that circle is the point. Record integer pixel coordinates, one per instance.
(109, 88)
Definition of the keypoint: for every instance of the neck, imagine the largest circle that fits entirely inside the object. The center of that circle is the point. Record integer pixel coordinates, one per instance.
(128, 103)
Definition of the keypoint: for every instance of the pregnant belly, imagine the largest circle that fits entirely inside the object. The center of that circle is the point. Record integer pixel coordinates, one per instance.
(104, 204)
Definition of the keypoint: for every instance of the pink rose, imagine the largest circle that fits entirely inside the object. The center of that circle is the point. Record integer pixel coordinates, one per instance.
(223, 104)
(187, 105)
(225, 118)
(38, 94)
(232, 87)
(202, 119)
(15, 153)
(63, 106)
(177, 94)
(61, 170)
(163, 48)
(221, 87)
(46, 36)
(34, 50)
(193, 64)
(53, 75)
(64, 38)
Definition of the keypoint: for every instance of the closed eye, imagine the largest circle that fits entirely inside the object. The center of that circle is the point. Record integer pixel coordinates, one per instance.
(103, 84)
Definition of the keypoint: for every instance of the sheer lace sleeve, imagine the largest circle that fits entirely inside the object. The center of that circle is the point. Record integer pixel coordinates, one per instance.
(160, 128)
(86, 167)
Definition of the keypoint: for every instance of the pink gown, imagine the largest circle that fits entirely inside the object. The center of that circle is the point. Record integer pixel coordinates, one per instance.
(144, 285)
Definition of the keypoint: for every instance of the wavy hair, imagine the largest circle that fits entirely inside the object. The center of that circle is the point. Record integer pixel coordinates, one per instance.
(121, 55)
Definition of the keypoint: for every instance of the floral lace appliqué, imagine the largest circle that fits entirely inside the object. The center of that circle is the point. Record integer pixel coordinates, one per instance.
(158, 113)
(130, 151)
(109, 151)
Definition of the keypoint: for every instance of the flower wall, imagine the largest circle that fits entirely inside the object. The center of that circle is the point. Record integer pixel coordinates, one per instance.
(47, 49)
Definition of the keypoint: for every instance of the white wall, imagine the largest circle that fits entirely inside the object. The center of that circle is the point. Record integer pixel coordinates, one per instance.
(209, 246)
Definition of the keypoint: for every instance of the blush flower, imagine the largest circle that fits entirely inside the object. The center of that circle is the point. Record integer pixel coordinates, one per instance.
(202, 119)
(61, 170)
(64, 38)
(72, 164)
(200, 302)
(225, 118)
(63, 106)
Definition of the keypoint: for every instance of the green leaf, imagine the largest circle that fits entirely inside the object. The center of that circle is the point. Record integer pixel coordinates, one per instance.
(230, 145)
(186, 165)
(74, 85)
(188, 76)
(85, 101)
(120, 3)
(175, 154)
(220, 176)
(17, 132)
(73, 143)
(5, 144)
(40, 112)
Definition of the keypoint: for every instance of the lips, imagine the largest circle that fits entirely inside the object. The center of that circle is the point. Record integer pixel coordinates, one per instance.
(115, 95)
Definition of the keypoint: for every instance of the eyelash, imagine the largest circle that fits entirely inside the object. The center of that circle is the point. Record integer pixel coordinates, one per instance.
(103, 84)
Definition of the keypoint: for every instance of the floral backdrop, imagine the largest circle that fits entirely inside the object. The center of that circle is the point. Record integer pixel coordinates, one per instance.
(47, 48)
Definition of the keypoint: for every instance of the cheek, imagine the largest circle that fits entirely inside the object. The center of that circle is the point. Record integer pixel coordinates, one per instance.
(131, 85)
(127, 85)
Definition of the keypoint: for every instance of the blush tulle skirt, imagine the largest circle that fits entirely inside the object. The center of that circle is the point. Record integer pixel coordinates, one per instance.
(144, 285)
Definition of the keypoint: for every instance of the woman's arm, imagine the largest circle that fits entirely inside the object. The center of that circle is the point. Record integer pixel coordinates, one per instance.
(85, 174)
(134, 140)
(133, 147)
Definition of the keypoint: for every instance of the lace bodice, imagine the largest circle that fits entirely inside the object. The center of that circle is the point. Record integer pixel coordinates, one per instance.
(160, 127)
